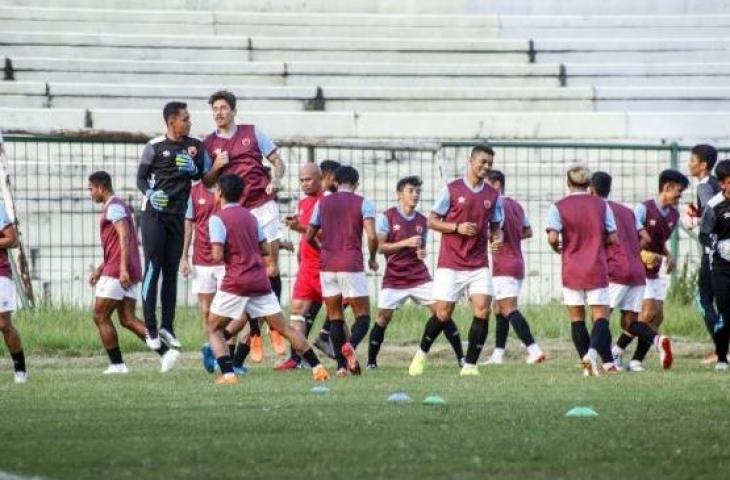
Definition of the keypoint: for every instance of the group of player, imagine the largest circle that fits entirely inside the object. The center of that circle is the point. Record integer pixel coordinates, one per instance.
(611, 256)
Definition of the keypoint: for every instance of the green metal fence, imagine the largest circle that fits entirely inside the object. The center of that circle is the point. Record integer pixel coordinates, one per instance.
(60, 223)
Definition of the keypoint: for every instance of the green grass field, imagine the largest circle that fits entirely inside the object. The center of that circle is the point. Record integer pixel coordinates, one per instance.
(72, 422)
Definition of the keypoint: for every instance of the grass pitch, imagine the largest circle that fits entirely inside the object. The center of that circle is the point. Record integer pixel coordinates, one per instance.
(72, 422)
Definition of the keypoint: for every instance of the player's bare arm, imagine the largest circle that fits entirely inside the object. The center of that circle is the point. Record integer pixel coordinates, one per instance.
(554, 241)
(313, 237)
(123, 234)
(279, 169)
(437, 223)
(369, 227)
(187, 237)
(526, 233)
(216, 252)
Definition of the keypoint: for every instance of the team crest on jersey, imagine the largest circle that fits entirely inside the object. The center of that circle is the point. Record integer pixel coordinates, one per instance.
(396, 227)
(671, 224)
(166, 153)
(419, 229)
(460, 200)
(246, 142)
(201, 201)
(193, 150)
(652, 222)
(487, 203)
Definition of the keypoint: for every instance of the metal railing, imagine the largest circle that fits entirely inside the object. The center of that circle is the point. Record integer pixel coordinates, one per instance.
(60, 223)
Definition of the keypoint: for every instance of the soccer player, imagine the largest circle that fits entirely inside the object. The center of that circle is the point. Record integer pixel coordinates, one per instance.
(9, 239)
(626, 275)
(168, 165)
(508, 272)
(659, 216)
(402, 233)
(342, 218)
(468, 213)
(701, 162)
(117, 278)
(240, 149)
(715, 233)
(579, 226)
(307, 292)
(239, 240)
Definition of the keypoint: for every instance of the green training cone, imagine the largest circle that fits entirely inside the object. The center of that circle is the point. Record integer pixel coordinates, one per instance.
(581, 412)
(434, 400)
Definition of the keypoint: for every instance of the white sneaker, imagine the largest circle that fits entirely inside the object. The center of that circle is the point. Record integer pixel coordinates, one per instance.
(20, 377)
(168, 360)
(590, 364)
(169, 339)
(115, 368)
(494, 359)
(719, 367)
(535, 355)
(635, 366)
(469, 370)
(617, 353)
(152, 342)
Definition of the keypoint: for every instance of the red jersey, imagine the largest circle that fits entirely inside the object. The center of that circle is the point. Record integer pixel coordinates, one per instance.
(115, 210)
(308, 256)
(508, 262)
(403, 269)
(624, 260)
(201, 206)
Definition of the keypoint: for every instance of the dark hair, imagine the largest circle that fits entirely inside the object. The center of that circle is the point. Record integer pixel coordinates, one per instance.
(172, 108)
(482, 147)
(223, 95)
(346, 174)
(672, 176)
(329, 166)
(723, 170)
(601, 183)
(101, 179)
(413, 181)
(231, 187)
(496, 176)
(706, 154)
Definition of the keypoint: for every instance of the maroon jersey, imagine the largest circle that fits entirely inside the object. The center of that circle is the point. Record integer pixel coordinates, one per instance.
(403, 269)
(238, 231)
(308, 256)
(245, 160)
(116, 210)
(340, 217)
(459, 252)
(508, 262)
(659, 228)
(624, 260)
(584, 253)
(202, 205)
(5, 269)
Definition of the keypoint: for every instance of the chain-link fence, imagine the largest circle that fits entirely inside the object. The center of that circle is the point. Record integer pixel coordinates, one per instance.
(60, 223)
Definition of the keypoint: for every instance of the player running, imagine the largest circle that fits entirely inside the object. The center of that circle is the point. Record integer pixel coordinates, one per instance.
(116, 279)
(239, 241)
(402, 233)
(508, 270)
(342, 217)
(468, 213)
(579, 226)
(9, 239)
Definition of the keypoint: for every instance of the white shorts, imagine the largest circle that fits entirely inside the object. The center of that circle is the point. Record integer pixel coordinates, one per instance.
(7, 295)
(656, 289)
(596, 296)
(347, 284)
(109, 287)
(268, 217)
(449, 285)
(506, 287)
(232, 306)
(395, 298)
(625, 297)
(206, 278)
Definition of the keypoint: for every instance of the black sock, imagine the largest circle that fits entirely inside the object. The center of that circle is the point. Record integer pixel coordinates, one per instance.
(451, 332)
(501, 331)
(311, 358)
(231, 349)
(643, 331)
(19, 361)
(310, 317)
(240, 353)
(601, 339)
(624, 340)
(162, 350)
(294, 356)
(115, 355)
(359, 330)
(255, 327)
(641, 350)
(430, 332)
(225, 364)
(521, 327)
(324, 334)
(477, 337)
(581, 338)
(377, 334)
(337, 334)
(721, 338)
(276, 286)
(227, 335)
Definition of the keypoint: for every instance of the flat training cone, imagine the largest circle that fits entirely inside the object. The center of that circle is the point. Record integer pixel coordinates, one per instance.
(399, 397)
(581, 412)
(434, 400)
(320, 390)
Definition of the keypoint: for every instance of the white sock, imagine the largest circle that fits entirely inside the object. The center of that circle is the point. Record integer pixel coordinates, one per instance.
(498, 353)
(421, 353)
(534, 350)
(616, 350)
